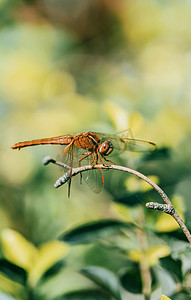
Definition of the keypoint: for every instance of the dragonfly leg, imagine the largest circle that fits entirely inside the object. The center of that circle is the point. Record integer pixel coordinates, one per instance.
(107, 160)
(86, 155)
(98, 154)
(96, 157)
(93, 159)
(67, 148)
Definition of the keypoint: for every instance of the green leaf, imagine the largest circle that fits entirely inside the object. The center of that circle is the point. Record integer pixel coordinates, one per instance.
(52, 271)
(84, 295)
(181, 295)
(90, 232)
(104, 279)
(48, 255)
(173, 266)
(13, 272)
(131, 279)
(159, 154)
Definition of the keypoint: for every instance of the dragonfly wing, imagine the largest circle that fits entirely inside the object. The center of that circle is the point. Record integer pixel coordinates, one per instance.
(138, 145)
(125, 142)
(67, 159)
(93, 178)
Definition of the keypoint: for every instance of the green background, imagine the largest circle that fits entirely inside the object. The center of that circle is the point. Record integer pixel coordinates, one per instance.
(105, 66)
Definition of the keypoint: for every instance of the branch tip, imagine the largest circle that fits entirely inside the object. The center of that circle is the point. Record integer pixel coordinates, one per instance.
(167, 208)
(47, 160)
(162, 207)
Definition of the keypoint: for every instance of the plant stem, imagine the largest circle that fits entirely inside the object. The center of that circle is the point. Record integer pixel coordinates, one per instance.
(144, 264)
(170, 209)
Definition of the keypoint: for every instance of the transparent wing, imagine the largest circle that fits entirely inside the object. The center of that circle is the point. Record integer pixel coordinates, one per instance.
(67, 159)
(93, 178)
(71, 156)
(123, 142)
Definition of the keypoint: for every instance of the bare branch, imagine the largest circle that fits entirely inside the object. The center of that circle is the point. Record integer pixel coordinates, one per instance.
(49, 159)
(167, 208)
(162, 207)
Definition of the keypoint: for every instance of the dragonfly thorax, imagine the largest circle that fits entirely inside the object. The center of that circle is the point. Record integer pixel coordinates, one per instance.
(106, 148)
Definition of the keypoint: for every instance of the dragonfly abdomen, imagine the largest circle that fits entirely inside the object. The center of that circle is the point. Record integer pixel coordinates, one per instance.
(59, 140)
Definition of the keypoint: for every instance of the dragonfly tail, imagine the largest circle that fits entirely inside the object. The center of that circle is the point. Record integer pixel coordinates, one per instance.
(60, 140)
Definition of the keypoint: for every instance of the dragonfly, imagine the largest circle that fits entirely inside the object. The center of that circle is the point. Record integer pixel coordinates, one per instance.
(91, 148)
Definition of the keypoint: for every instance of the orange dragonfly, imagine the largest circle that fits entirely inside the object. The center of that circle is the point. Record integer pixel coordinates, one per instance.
(90, 148)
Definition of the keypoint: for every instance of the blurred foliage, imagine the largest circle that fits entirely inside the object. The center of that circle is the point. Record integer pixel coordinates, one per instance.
(105, 66)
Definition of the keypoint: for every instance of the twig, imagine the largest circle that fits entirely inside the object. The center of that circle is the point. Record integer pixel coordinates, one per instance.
(167, 208)
(49, 159)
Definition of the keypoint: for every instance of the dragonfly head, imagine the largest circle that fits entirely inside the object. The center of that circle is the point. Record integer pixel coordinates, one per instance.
(105, 148)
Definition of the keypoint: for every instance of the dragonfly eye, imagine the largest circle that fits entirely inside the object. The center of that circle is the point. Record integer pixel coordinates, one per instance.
(106, 148)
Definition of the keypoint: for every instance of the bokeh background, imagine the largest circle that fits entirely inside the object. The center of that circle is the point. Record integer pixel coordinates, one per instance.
(99, 65)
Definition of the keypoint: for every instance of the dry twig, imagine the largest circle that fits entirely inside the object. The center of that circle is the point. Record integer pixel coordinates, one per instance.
(167, 208)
